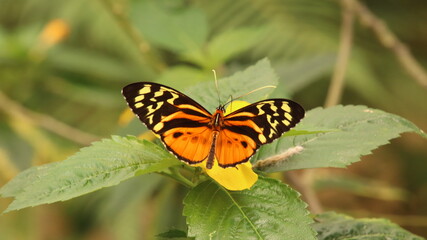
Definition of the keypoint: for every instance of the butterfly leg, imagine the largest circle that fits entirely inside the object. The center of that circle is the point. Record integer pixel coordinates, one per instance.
(211, 156)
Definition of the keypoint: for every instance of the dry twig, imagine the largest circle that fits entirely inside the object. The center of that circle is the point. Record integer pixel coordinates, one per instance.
(117, 11)
(389, 40)
(346, 39)
(16, 110)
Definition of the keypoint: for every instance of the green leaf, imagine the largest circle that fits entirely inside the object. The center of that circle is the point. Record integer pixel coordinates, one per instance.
(92, 64)
(361, 130)
(259, 75)
(181, 77)
(174, 234)
(269, 210)
(178, 31)
(233, 42)
(224, 47)
(294, 132)
(106, 163)
(298, 74)
(331, 226)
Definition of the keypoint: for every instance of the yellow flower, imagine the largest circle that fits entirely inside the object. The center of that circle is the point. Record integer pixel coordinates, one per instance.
(54, 32)
(235, 178)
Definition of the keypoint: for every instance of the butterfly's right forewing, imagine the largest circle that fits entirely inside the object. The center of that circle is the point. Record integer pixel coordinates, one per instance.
(180, 121)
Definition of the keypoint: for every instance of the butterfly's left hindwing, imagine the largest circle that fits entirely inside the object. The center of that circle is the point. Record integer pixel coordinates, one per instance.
(180, 121)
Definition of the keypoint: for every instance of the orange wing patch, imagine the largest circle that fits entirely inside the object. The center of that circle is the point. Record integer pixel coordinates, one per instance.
(233, 148)
(191, 145)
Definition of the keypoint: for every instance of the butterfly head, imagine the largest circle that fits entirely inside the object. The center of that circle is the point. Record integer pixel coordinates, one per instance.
(221, 108)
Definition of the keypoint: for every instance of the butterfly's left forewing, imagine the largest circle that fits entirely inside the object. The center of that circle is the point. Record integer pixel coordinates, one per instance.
(180, 121)
(250, 127)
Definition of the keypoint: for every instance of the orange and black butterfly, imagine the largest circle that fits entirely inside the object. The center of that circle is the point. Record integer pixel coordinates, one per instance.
(194, 135)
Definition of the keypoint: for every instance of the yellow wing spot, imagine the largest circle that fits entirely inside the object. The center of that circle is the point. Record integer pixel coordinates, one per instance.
(159, 104)
(273, 123)
(274, 108)
(144, 90)
(139, 98)
(138, 105)
(174, 96)
(262, 138)
(286, 122)
(151, 109)
(244, 114)
(158, 127)
(163, 90)
(188, 106)
(150, 119)
(158, 93)
(261, 112)
(286, 107)
(288, 116)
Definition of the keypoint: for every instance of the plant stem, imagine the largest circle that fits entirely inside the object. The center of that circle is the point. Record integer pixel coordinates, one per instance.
(304, 184)
(305, 181)
(15, 110)
(148, 57)
(346, 38)
(175, 174)
(389, 40)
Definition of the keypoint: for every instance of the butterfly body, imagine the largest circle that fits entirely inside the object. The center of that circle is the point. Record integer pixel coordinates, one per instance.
(194, 135)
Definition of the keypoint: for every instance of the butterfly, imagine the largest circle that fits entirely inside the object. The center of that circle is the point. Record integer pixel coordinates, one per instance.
(195, 135)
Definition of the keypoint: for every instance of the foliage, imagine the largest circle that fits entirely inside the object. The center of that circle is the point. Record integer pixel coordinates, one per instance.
(337, 226)
(348, 126)
(212, 211)
(104, 164)
(57, 97)
(269, 210)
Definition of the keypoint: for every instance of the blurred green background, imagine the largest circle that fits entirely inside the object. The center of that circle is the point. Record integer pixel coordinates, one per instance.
(63, 64)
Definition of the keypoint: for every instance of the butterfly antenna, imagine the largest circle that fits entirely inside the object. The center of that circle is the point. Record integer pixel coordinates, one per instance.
(260, 88)
(231, 103)
(216, 86)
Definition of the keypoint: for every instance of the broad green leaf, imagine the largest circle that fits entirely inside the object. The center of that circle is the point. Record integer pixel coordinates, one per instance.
(224, 46)
(359, 131)
(106, 163)
(297, 74)
(228, 44)
(118, 211)
(93, 64)
(331, 226)
(81, 94)
(178, 31)
(181, 77)
(259, 75)
(173, 234)
(269, 210)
